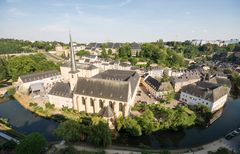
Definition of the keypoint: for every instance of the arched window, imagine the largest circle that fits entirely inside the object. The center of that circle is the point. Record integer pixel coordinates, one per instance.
(91, 101)
(111, 104)
(83, 101)
(120, 107)
(100, 103)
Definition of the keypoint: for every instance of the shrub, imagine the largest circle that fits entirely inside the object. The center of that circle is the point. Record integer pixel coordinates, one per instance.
(31, 104)
(11, 91)
(49, 106)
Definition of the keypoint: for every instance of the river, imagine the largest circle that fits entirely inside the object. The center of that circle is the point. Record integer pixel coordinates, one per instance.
(26, 122)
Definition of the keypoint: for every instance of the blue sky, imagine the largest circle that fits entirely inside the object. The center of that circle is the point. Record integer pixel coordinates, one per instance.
(120, 20)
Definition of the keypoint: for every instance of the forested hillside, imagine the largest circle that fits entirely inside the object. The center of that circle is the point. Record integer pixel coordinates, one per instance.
(8, 46)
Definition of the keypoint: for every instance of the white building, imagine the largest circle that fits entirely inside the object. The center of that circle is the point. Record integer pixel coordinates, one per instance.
(212, 95)
(84, 70)
(156, 88)
(40, 81)
(156, 72)
(88, 59)
(185, 79)
(78, 47)
(61, 95)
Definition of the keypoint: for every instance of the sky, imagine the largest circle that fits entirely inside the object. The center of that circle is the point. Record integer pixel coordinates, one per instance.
(119, 20)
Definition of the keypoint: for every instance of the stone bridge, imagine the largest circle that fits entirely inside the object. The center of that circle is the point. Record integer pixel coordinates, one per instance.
(4, 90)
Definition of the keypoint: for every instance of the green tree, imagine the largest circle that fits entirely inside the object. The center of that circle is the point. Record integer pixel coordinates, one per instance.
(133, 61)
(160, 43)
(82, 53)
(100, 134)
(190, 51)
(230, 47)
(33, 143)
(72, 131)
(104, 53)
(22, 65)
(129, 125)
(125, 51)
(3, 68)
(109, 52)
(148, 122)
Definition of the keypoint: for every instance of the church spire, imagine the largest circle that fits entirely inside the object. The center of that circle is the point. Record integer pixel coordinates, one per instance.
(73, 62)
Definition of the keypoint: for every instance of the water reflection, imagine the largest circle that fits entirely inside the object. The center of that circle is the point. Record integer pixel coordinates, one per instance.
(25, 121)
(195, 136)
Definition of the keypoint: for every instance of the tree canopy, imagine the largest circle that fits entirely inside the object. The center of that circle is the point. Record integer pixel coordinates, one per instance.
(8, 46)
(33, 143)
(13, 67)
(86, 128)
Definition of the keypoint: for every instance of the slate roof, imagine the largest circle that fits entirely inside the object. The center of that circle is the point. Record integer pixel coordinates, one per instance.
(39, 76)
(187, 76)
(221, 81)
(206, 90)
(122, 75)
(106, 112)
(91, 45)
(110, 45)
(80, 66)
(117, 45)
(135, 46)
(36, 87)
(102, 88)
(61, 89)
(158, 86)
(111, 84)
(90, 56)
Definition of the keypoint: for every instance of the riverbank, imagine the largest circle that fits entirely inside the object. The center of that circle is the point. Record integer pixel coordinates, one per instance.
(11, 132)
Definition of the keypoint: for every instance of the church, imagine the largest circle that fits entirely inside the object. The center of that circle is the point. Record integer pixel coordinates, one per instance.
(109, 94)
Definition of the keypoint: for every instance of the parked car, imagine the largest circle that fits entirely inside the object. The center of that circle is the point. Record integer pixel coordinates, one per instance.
(235, 133)
(229, 136)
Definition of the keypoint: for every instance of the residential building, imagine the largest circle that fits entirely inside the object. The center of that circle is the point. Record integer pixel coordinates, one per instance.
(84, 70)
(205, 93)
(156, 88)
(135, 48)
(156, 72)
(38, 82)
(185, 79)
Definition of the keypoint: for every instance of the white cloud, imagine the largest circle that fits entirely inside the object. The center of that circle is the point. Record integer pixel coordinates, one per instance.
(79, 11)
(125, 2)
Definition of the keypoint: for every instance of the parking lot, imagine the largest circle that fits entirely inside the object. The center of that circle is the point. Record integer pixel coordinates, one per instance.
(142, 95)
